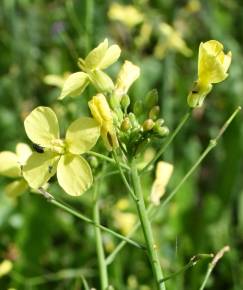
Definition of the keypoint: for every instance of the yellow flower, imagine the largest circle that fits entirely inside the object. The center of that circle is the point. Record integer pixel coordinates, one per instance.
(171, 39)
(59, 155)
(5, 267)
(11, 165)
(92, 67)
(213, 65)
(124, 220)
(102, 113)
(126, 14)
(127, 75)
(164, 171)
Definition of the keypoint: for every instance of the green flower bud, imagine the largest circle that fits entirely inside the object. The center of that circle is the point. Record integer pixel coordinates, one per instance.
(148, 125)
(126, 124)
(101, 81)
(125, 102)
(133, 120)
(138, 108)
(159, 123)
(151, 99)
(154, 113)
(114, 102)
(93, 161)
(162, 131)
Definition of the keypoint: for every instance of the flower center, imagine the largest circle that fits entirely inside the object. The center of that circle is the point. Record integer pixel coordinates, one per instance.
(58, 146)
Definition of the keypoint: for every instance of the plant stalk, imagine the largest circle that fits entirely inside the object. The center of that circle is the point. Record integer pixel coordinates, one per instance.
(152, 210)
(147, 228)
(99, 248)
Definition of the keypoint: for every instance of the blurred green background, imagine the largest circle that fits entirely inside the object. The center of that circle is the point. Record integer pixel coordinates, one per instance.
(41, 37)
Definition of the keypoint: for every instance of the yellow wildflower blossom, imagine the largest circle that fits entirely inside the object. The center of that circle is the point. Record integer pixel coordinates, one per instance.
(59, 155)
(164, 171)
(92, 67)
(10, 166)
(126, 14)
(127, 75)
(5, 267)
(213, 65)
(171, 39)
(102, 113)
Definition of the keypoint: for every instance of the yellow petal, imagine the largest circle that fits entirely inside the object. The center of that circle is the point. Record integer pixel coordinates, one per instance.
(40, 167)
(211, 65)
(41, 126)
(16, 188)
(95, 57)
(5, 267)
(23, 152)
(126, 77)
(9, 165)
(111, 56)
(74, 174)
(82, 135)
(164, 171)
(74, 85)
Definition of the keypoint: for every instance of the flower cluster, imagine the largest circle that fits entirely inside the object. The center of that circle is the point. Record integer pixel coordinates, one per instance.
(123, 124)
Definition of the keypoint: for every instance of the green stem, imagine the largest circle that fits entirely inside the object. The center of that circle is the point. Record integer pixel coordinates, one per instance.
(106, 158)
(89, 14)
(123, 176)
(167, 143)
(99, 245)
(211, 265)
(72, 211)
(147, 229)
(193, 261)
(152, 210)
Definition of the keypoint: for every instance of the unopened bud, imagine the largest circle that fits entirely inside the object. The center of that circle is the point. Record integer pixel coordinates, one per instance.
(101, 81)
(133, 120)
(151, 99)
(126, 124)
(138, 108)
(125, 102)
(93, 161)
(148, 125)
(114, 102)
(154, 113)
(162, 131)
(159, 123)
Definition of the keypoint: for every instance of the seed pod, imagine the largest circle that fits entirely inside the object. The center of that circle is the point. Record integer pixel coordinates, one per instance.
(148, 125)
(154, 112)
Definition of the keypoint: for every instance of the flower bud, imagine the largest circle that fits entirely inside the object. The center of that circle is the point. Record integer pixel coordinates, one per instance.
(148, 125)
(125, 102)
(154, 113)
(162, 131)
(101, 81)
(151, 99)
(93, 161)
(159, 123)
(126, 124)
(133, 120)
(138, 108)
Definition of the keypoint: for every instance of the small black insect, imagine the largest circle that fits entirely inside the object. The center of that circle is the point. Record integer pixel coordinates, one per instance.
(38, 148)
(50, 168)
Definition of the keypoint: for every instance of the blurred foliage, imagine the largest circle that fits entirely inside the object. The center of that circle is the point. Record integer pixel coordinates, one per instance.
(38, 38)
